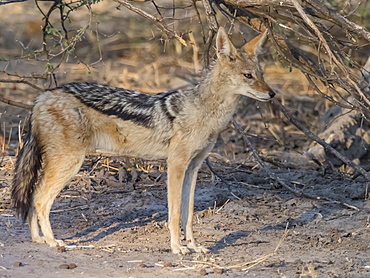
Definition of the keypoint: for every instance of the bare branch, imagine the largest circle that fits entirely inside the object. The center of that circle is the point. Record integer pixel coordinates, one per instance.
(213, 27)
(22, 81)
(4, 2)
(268, 3)
(15, 103)
(328, 49)
(211, 15)
(308, 21)
(336, 17)
(317, 6)
(157, 21)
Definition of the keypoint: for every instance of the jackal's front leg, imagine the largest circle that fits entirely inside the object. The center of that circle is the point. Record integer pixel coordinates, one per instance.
(187, 204)
(176, 173)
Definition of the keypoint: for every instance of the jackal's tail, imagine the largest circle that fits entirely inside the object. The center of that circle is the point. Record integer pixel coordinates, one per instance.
(27, 168)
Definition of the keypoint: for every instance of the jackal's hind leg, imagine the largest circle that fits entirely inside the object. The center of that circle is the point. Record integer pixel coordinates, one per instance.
(34, 227)
(58, 170)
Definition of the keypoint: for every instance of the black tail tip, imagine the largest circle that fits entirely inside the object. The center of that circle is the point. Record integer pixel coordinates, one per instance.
(21, 209)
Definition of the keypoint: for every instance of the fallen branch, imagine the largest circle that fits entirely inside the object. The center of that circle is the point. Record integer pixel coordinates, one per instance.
(279, 180)
(314, 137)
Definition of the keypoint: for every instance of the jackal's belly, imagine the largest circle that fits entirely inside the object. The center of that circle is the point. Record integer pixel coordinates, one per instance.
(127, 138)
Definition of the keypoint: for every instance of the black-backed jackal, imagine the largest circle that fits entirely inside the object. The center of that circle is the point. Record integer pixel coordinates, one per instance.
(75, 119)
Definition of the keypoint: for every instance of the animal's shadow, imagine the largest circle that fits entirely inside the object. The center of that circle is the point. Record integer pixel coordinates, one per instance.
(126, 220)
(305, 218)
(143, 216)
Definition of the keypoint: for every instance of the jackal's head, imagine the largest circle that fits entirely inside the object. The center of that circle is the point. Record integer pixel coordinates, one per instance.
(241, 72)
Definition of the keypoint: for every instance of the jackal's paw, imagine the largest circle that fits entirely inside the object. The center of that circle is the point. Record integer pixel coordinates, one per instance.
(180, 249)
(55, 243)
(198, 249)
(38, 239)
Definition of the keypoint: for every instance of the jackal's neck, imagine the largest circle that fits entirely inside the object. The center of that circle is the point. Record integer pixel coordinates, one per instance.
(213, 94)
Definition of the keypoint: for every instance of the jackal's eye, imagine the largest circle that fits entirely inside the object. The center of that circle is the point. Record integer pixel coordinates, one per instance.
(248, 75)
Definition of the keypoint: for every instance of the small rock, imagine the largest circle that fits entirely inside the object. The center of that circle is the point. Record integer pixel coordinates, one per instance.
(17, 264)
(64, 266)
(61, 249)
(218, 270)
(142, 265)
(72, 266)
(167, 265)
(203, 272)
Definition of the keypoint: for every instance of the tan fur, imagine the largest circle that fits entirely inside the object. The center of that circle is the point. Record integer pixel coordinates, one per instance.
(66, 130)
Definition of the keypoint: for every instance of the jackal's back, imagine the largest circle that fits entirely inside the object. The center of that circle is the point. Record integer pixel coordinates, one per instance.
(142, 109)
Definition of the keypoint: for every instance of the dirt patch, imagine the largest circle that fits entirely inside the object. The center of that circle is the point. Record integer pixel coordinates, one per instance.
(121, 231)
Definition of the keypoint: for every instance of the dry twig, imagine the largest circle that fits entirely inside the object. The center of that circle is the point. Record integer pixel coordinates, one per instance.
(221, 178)
(21, 81)
(15, 103)
(157, 21)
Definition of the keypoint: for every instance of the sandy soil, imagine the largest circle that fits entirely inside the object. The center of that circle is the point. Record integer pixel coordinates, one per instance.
(119, 230)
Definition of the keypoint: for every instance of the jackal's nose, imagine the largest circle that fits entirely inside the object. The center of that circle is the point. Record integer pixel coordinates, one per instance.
(271, 93)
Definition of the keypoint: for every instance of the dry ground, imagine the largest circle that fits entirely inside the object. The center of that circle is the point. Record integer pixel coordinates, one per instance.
(117, 230)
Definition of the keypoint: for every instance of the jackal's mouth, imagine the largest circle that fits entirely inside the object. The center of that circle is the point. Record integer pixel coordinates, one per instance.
(261, 96)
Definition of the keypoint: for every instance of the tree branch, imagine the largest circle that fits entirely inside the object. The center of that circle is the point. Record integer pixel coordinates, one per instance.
(22, 81)
(157, 21)
(334, 16)
(15, 103)
(328, 49)
(267, 3)
(4, 2)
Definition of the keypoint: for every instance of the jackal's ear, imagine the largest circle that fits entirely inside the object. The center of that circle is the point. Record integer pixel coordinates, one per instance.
(225, 48)
(254, 47)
